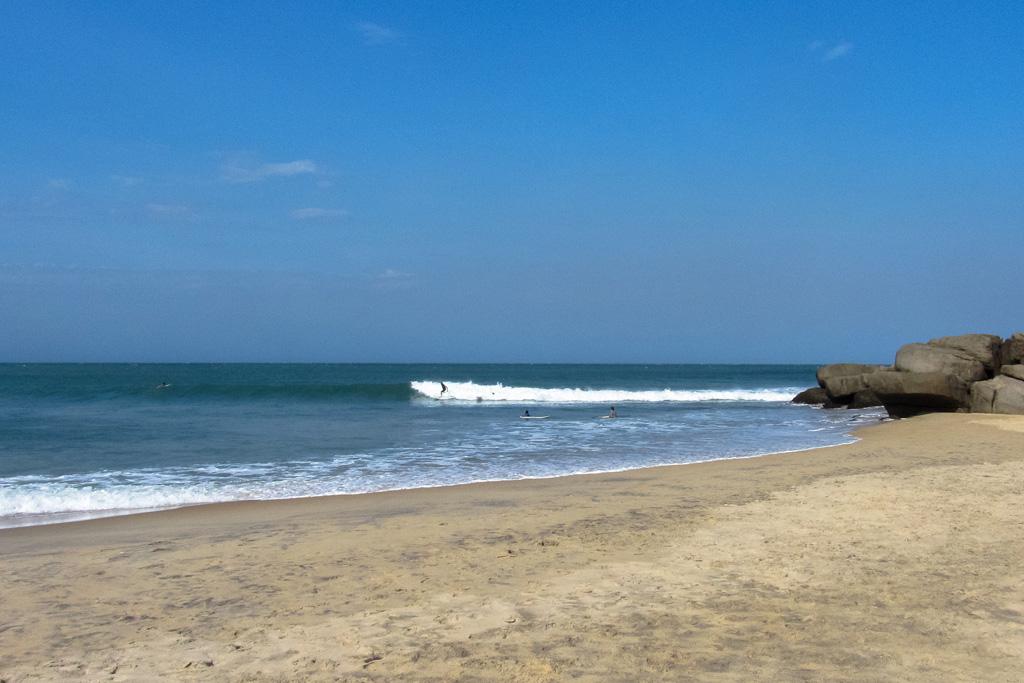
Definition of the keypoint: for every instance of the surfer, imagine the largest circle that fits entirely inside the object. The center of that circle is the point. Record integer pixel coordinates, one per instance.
(526, 413)
(162, 385)
(611, 412)
(444, 389)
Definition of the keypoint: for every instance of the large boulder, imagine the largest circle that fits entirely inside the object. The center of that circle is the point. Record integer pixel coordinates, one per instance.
(815, 396)
(1015, 371)
(905, 394)
(865, 399)
(1002, 394)
(1012, 352)
(984, 348)
(928, 358)
(843, 380)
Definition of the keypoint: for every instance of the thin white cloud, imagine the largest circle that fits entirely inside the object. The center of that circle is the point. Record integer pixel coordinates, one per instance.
(392, 274)
(235, 172)
(315, 213)
(815, 45)
(375, 34)
(392, 279)
(838, 50)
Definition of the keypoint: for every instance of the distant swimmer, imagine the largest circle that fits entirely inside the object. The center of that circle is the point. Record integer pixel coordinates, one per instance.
(163, 385)
(612, 413)
(444, 388)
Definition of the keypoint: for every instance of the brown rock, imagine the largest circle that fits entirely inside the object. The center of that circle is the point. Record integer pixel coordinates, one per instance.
(927, 358)
(905, 394)
(1002, 394)
(812, 396)
(1015, 371)
(826, 372)
(843, 380)
(865, 399)
(1012, 352)
(984, 348)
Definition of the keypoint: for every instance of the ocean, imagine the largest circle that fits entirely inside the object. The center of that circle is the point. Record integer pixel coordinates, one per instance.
(88, 440)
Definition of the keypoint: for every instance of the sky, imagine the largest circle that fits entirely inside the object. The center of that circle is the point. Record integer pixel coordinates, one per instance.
(507, 182)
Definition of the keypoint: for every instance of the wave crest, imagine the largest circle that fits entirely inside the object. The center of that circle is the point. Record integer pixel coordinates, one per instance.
(55, 498)
(470, 391)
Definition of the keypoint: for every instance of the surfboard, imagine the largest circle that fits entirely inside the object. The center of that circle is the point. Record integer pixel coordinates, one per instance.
(534, 417)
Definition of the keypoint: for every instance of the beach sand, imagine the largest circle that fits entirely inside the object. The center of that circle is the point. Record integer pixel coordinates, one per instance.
(898, 557)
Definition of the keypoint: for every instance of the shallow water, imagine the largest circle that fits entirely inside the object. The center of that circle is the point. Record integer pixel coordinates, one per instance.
(92, 439)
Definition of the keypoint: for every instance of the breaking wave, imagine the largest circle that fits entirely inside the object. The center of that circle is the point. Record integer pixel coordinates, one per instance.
(470, 391)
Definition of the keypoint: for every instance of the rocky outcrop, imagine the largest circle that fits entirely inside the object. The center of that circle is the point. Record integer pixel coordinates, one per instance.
(815, 396)
(1015, 371)
(826, 372)
(1012, 351)
(966, 372)
(865, 399)
(1002, 394)
(984, 348)
(843, 381)
(905, 394)
(946, 360)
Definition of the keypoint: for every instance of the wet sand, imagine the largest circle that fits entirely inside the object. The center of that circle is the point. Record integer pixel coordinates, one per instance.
(898, 557)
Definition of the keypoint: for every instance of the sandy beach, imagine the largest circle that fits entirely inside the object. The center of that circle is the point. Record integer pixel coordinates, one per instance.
(895, 558)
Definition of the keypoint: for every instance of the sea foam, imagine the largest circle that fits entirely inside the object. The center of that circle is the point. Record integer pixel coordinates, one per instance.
(55, 498)
(470, 391)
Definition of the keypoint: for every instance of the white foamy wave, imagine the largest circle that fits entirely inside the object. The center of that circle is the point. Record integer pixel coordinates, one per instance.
(470, 391)
(57, 498)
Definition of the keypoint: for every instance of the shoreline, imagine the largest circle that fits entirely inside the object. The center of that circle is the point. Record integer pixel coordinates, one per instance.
(890, 557)
(89, 517)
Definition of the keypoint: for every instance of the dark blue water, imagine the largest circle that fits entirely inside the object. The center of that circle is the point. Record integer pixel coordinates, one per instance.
(83, 440)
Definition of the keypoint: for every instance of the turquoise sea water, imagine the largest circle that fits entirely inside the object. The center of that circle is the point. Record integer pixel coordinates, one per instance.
(83, 440)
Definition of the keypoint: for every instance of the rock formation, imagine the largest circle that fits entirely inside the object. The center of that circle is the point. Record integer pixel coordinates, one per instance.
(968, 372)
(931, 358)
(984, 348)
(1015, 371)
(1002, 394)
(1012, 352)
(905, 394)
(812, 396)
(865, 399)
(842, 380)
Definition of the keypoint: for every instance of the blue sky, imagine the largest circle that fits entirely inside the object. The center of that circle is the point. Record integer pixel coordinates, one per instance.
(539, 182)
